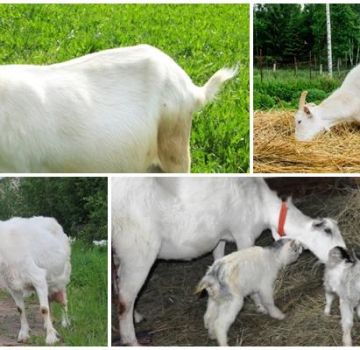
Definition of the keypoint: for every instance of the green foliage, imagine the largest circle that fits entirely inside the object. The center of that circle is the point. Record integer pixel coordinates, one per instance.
(202, 38)
(79, 204)
(285, 31)
(283, 89)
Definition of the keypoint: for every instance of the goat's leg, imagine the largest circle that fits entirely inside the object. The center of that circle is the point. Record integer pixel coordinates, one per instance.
(174, 144)
(41, 288)
(257, 301)
(61, 298)
(219, 251)
(131, 278)
(329, 297)
(346, 321)
(227, 313)
(267, 300)
(210, 317)
(24, 329)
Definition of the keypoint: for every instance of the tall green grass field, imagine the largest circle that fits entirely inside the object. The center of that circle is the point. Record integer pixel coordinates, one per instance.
(201, 38)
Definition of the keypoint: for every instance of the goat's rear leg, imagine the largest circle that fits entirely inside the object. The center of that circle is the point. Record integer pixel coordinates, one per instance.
(61, 298)
(41, 288)
(24, 329)
(174, 145)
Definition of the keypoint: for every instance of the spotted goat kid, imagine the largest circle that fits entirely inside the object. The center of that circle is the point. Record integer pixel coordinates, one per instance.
(342, 278)
(246, 272)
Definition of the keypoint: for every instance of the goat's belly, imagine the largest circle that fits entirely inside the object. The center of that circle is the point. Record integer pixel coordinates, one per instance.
(185, 250)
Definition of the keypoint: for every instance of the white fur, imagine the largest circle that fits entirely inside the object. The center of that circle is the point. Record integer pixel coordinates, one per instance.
(35, 255)
(343, 105)
(251, 271)
(121, 110)
(342, 279)
(184, 218)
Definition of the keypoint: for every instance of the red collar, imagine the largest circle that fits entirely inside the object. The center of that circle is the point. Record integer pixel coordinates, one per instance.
(282, 218)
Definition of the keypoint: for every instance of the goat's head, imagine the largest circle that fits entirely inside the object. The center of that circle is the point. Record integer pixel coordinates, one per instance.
(308, 122)
(321, 236)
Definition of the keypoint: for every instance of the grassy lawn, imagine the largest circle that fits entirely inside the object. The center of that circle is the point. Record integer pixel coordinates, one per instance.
(201, 39)
(281, 90)
(87, 294)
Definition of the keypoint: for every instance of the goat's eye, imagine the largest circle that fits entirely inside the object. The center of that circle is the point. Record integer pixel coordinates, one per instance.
(328, 231)
(299, 121)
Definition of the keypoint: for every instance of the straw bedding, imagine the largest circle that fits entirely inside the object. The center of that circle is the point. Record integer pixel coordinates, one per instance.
(174, 315)
(276, 151)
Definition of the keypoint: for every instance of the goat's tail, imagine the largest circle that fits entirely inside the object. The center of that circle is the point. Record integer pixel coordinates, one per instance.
(208, 283)
(213, 85)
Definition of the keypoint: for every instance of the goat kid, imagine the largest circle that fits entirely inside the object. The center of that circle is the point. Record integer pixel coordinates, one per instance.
(247, 272)
(342, 278)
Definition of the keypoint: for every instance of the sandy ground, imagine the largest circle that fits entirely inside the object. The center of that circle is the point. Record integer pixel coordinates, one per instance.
(10, 321)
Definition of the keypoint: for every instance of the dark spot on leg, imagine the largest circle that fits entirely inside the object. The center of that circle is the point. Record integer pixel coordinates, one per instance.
(19, 310)
(44, 310)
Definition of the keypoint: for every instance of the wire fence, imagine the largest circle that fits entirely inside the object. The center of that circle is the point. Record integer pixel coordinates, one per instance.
(267, 67)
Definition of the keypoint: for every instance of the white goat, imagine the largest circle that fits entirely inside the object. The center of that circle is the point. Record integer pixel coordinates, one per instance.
(184, 218)
(342, 278)
(120, 110)
(343, 105)
(35, 255)
(247, 272)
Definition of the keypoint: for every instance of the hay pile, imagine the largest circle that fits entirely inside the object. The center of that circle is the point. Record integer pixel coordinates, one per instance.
(175, 316)
(276, 151)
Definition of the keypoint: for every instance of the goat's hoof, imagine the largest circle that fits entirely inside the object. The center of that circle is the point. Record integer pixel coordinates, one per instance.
(279, 316)
(327, 312)
(261, 310)
(51, 338)
(23, 337)
(212, 335)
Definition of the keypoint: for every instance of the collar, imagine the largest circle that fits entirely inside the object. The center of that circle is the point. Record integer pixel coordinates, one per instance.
(282, 218)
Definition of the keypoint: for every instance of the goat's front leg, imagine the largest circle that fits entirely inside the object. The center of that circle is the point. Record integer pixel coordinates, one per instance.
(24, 329)
(329, 297)
(346, 321)
(267, 300)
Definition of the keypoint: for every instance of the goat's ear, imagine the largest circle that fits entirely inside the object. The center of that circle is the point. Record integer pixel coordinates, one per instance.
(307, 111)
(318, 223)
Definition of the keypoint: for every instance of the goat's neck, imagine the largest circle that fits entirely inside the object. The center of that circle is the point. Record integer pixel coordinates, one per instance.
(337, 108)
(295, 221)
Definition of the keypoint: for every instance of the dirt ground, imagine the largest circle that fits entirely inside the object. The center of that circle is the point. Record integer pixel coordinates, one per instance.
(10, 321)
(174, 315)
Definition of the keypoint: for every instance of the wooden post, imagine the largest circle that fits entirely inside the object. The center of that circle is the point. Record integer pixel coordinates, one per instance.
(321, 69)
(310, 65)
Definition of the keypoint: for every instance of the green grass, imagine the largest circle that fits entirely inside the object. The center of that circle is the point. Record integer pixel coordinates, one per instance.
(201, 38)
(87, 294)
(281, 90)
